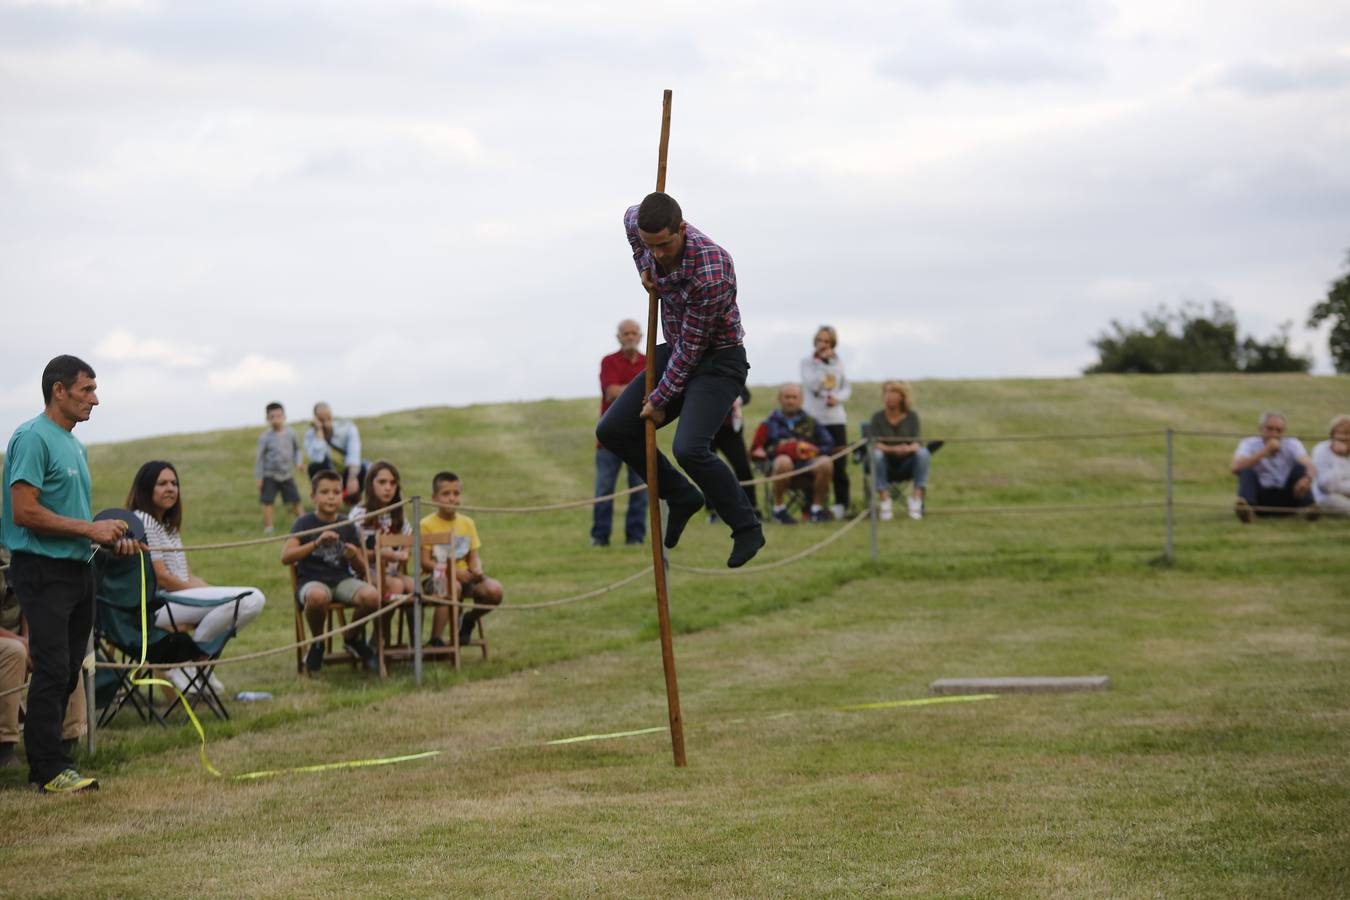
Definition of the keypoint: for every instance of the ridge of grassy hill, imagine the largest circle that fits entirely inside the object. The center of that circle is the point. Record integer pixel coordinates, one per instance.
(1217, 763)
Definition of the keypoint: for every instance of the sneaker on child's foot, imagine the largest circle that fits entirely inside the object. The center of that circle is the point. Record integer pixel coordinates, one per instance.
(314, 658)
(837, 511)
(820, 514)
(782, 516)
(363, 651)
(886, 509)
(1246, 515)
(915, 508)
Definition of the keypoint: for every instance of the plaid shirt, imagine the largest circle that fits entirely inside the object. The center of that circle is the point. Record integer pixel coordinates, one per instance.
(698, 305)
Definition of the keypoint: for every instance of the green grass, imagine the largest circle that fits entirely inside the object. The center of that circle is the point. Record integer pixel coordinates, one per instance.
(1217, 765)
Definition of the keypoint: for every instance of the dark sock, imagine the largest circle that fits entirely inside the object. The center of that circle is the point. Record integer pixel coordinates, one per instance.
(745, 544)
(681, 511)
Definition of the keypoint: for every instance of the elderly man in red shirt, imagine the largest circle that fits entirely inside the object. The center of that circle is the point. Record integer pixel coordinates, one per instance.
(702, 366)
(616, 372)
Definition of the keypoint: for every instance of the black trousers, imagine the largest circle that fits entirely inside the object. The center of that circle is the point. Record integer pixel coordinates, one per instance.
(708, 394)
(57, 597)
(839, 434)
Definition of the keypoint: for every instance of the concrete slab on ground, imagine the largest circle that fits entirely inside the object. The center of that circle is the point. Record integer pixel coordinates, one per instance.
(1026, 685)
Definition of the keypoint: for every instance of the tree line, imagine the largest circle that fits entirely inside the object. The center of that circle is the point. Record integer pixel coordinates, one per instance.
(1191, 339)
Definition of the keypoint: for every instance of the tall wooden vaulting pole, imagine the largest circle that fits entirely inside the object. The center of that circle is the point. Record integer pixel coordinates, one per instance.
(653, 489)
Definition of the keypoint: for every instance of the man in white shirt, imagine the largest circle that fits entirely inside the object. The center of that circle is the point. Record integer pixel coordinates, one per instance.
(1273, 470)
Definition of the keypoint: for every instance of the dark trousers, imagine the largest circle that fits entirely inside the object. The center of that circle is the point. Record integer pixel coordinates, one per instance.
(1250, 489)
(840, 435)
(57, 597)
(732, 445)
(607, 466)
(708, 394)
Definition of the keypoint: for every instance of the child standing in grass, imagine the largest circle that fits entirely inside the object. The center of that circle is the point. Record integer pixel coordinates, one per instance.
(278, 452)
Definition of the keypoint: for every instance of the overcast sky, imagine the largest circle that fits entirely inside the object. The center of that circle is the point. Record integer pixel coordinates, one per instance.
(400, 204)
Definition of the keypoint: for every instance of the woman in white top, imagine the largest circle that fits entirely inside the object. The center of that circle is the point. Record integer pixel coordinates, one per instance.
(1331, 460)
(155, 500)
(824, 390)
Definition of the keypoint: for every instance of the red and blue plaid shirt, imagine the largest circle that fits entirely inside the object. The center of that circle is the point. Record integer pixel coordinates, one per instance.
(698, 304)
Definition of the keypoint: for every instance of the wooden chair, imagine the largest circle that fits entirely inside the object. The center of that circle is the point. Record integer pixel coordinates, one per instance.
(399, 646)
(335, 611)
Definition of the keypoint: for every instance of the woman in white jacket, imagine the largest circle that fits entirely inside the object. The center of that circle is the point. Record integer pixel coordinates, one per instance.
(824, 391)
(1331, 460)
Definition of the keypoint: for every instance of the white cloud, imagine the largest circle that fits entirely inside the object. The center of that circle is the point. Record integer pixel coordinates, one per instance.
(123, 346)
(253, 371)
(1329, 72)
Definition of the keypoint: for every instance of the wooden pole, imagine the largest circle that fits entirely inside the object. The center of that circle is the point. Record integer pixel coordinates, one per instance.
(653, 489)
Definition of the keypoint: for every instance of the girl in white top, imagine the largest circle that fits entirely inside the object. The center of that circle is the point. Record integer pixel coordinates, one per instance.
(382, 490)
(155, 500)
(1331, 460)
(824, 391)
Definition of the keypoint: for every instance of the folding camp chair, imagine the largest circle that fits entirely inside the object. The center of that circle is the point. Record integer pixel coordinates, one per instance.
(399, 647)
(118, 637)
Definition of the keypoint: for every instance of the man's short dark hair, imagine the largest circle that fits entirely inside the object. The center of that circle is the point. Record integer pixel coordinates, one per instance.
(323, 475)
(441, 478)
(659, 212)
(274, 405)
(65, 371)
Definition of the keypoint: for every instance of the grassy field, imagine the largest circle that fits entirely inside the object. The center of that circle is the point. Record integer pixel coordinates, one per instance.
(1217, 765)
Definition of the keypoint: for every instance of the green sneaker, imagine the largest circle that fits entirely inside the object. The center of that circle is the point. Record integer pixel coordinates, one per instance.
(69, 782)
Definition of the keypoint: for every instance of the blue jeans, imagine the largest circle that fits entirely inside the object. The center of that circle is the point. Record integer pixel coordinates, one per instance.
(607, 467)
(887, 469)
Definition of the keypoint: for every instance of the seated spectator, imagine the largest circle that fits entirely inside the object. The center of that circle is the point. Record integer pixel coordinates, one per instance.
(1331, 459)
(462, 553)
(156, 501)
(329, 568)
(334, 445)
(795, 442)
(382, 490)
(1273, 470)
(899, 460)
(14, 666)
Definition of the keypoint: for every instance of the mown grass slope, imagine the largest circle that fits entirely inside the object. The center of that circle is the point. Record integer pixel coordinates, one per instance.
(1216, 765)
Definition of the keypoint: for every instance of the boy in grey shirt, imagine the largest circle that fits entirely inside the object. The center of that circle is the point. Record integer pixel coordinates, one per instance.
(278, 451)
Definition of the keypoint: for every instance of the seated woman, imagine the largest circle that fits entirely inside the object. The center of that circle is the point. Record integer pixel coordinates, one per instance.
(155, 500)
(903, 456)
(382, 490)
(1331, 460)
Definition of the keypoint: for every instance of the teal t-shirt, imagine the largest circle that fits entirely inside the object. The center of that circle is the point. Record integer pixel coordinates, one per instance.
(53, 460)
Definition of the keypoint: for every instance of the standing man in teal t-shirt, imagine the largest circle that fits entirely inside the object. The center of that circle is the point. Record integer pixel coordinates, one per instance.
(49, 531)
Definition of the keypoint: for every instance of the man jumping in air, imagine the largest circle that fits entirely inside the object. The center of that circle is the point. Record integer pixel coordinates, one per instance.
(702, 366)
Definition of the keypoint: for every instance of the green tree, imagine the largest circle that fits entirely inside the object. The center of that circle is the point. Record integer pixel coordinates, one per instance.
(1336, 308)
(1189, 340)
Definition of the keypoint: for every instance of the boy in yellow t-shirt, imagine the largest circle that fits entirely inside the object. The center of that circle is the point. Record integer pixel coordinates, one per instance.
(462, 554)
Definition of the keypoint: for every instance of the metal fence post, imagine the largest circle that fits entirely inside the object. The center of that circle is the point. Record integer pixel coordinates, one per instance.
(871, 487)
(417, 590)
(1168, 553)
